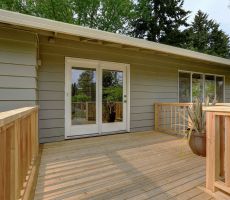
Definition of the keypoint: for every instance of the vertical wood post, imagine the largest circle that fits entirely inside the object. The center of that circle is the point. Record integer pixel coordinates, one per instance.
(211, 154)
(171, 116)
(17, 130)
(222, 145)
(2, 163)
(227, 151)
(156, 117)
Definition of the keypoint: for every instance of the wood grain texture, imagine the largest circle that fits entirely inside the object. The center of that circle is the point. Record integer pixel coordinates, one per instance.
(18, 152)
(145, 165)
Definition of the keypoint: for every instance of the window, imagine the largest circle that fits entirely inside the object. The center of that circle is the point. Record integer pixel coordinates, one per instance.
(219, 89)
(184, 82)
(197, 86)
(209, 87)
(192, 85)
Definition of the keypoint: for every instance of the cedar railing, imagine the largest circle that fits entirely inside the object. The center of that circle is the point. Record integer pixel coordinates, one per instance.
(18, 152)
(172, 117)
(218, 148)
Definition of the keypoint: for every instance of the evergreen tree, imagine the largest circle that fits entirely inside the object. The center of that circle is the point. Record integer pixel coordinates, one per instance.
(205, 36)
(160, 21)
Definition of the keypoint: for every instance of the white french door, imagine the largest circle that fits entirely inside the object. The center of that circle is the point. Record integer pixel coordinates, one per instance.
(96, 97)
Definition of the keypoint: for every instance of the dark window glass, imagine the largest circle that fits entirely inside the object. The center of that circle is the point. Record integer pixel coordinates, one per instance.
(210, 87)
(220, 89)
(197, 86)
(184, 87)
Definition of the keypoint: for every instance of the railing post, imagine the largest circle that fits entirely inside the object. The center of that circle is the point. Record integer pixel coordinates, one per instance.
(2, 163)
(14, 134)
(222, 144)
(211, 153)
(156, 116)
(227, 151)
(35, 133)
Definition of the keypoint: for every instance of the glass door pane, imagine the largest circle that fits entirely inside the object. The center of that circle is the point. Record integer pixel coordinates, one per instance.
(184, 87)
(220, 89)
(83, 90)
(112, 96)
(197, 86)
(210, 87)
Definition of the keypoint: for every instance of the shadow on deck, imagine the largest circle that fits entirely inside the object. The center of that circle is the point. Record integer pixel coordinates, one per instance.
(147, 165)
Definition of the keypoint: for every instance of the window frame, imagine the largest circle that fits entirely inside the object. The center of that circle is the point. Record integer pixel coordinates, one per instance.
(203, 83)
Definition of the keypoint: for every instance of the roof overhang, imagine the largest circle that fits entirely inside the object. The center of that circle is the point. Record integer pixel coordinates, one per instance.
(17, 19)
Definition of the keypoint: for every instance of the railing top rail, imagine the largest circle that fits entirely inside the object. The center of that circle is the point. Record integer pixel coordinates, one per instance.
(12, 115)
(173, 104)
(209, 108)
(220, 108)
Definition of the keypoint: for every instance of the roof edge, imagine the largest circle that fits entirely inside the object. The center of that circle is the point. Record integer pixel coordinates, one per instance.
(19, 19)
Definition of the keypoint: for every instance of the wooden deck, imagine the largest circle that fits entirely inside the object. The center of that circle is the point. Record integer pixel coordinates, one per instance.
(147, 165)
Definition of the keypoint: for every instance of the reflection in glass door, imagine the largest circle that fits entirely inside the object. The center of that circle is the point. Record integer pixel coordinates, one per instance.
(95, 101)
(83, 96)
(81, 99)
(112, 96)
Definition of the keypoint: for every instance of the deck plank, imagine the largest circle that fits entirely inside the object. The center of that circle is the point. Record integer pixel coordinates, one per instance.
(145, 165)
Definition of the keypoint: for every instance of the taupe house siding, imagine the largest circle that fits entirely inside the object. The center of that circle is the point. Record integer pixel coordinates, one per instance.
(154, 78)
(18, 82)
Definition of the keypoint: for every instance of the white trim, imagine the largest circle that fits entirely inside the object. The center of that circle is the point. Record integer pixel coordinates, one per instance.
(128, 96)
(99, 66)
(191, 87)
(17, 19)
(203, 83)
(224, 90)
(67, 125)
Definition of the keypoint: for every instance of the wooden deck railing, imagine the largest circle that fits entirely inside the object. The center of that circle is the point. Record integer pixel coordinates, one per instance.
(218, 148)
(18, 152)
(171, 117)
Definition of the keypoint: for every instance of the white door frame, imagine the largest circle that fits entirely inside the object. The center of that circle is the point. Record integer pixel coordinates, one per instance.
(69, 62)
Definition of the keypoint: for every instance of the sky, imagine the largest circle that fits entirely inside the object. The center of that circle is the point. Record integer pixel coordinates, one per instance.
(217, 10)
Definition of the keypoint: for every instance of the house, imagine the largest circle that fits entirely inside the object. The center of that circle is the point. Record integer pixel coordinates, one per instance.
(40, 57)
(88, 82)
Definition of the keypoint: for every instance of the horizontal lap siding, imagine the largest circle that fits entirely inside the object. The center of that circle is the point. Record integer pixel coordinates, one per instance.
(18, 73)
(150, 84)
(153, 78)
(51, 84)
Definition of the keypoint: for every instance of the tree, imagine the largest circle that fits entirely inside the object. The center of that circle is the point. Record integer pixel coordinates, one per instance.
(115, 15)
(108, 15)
(13, 5)
(86, 83)
(205, 36)
(160, 21)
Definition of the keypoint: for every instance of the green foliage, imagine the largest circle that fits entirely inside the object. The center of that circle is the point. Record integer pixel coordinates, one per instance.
(160, 21)
(197, 117)
(113, 94)
(205, 36)
(115, 15)
(108, 15)
(80, 98)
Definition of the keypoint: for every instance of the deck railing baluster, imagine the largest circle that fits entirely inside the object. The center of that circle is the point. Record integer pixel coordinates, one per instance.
(170, 117)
